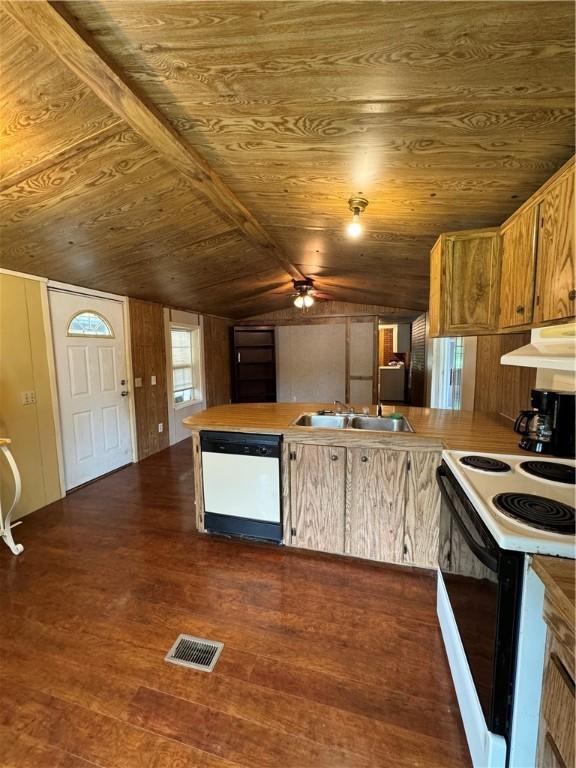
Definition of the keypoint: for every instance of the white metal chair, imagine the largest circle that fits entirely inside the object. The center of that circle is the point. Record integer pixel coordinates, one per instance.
(5, 524)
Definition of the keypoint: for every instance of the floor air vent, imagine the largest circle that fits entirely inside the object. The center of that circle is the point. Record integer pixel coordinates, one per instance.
(195, 652)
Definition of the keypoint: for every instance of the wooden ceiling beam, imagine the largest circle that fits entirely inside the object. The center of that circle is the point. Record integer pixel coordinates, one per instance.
(51, 24)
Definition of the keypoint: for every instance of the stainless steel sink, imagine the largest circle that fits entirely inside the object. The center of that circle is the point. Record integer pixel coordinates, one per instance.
(322, 420)
(381, 423)
(349, 421)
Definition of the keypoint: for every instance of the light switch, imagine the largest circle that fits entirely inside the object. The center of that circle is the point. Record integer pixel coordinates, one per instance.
(138, 382)
(161, 427)
(153, 380)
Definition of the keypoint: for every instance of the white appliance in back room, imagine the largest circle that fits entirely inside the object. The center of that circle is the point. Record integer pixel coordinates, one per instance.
(497, 511)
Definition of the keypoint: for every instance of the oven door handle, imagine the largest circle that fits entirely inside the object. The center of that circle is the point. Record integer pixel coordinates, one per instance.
(483, 555)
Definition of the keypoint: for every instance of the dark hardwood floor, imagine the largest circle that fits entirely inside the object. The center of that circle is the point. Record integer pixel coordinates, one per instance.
(328, 662)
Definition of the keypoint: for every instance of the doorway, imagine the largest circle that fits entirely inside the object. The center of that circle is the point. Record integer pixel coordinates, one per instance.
(447, 366)
(92, 376)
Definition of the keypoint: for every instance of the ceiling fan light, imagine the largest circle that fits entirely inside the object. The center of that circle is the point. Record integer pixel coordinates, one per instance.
(299, 302)
(308, 300)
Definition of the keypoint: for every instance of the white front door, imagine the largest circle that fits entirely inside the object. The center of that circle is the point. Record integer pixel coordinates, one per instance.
(92, 380)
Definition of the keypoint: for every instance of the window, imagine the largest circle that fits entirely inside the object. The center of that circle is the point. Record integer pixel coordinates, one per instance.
(88, 323)
(185, 364)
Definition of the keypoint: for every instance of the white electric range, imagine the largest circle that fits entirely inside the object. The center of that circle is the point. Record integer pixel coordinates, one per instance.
(497, 511)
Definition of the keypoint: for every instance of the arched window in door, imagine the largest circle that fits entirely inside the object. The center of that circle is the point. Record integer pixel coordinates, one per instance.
(90, 323)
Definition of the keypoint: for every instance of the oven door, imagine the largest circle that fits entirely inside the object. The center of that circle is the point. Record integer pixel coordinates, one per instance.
(483, 584)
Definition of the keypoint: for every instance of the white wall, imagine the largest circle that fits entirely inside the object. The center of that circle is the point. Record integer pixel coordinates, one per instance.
(402, 338)
(311, 363)
(176, 413)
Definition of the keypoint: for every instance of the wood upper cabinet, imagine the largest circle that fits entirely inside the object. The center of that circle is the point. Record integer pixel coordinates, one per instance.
(422, 518)
(465, 283)
(555, 278)
(375, 503)
(317, 493)
(519, 238)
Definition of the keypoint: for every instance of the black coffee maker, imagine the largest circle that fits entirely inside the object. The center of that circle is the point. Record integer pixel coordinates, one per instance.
(548, 428)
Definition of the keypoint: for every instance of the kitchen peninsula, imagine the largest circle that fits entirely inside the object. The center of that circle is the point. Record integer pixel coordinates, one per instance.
(358, 492)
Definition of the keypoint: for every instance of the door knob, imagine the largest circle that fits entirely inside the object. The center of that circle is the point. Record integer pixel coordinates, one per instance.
(364, 458)
(334, 457)
(572, 294)
(124, 393)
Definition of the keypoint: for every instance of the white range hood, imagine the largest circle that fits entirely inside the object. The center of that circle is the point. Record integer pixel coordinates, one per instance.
(552, 347)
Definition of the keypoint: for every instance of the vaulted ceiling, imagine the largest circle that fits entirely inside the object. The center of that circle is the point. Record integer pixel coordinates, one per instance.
(202, 153)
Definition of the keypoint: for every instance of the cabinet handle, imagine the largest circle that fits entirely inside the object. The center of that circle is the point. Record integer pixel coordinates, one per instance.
(572, 294)
(520, 309)
(364, 458)
(334, 457)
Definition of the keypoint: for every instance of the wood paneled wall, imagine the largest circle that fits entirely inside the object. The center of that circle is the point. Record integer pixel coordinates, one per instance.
(149, 359)
(24, 366)
(217, 360)
(503, 389)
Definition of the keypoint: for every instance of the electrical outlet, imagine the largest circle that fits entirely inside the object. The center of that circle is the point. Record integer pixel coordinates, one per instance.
(138, 381)
(28, 398)
(153, 380)
(160, 427)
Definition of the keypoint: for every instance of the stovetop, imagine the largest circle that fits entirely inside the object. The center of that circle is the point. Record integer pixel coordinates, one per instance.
(498, 482)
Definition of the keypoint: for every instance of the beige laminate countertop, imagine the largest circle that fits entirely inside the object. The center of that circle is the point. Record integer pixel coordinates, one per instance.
(454, 430)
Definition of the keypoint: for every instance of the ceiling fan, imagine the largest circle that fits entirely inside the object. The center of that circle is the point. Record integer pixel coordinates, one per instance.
(305, 294)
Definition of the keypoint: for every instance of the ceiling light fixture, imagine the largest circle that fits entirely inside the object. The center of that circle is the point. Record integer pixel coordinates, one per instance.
(357, 206)
(304, 298)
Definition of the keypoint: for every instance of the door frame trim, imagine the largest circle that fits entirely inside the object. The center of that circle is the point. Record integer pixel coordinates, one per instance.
(51, 358)
(78, 290)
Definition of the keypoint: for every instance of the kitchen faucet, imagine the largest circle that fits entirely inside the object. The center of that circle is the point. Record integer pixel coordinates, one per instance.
(343, 407)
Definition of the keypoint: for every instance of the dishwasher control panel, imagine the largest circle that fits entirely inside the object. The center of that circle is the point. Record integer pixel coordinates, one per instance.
(241, 443)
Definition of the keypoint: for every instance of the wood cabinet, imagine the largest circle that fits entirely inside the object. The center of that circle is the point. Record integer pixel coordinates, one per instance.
(523, 275)
(555, 279)
(375, 503)
(317, 496)
(556, 737)
(465, 283)
(422, 517)
(519, 239)
(538, 284)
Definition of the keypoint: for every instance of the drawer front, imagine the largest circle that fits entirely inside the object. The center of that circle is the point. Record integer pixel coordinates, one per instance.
(558, 708)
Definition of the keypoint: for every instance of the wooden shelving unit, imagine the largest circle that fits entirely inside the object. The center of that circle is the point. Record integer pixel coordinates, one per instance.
(253, 364)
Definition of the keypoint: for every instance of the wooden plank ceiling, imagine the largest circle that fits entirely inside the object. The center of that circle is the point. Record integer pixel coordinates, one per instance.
(217, 159)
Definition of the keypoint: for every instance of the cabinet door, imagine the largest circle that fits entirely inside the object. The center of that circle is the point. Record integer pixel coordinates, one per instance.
(472, 282)
(435, 306)
(518, 269)
(422, 510)
(375, 503)
(556, 284)
(317, 489)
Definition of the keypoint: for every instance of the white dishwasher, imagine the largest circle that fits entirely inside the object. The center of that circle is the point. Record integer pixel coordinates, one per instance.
(241, 482)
